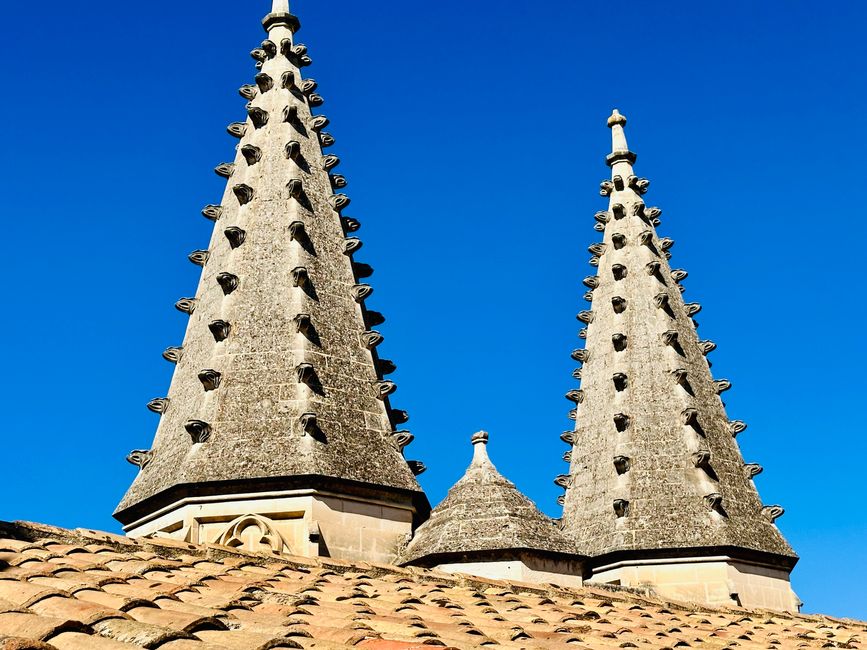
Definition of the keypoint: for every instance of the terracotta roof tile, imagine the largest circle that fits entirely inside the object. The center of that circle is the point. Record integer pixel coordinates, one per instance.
(74, 590)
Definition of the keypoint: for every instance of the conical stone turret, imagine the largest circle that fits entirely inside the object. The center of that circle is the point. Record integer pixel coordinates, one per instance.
(278, 424)
(485, 526)
(658, 492)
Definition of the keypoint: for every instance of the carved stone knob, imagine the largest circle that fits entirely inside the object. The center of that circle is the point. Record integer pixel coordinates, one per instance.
(582, 333)
(384, 388)
(303, 323)
(701, 459)
(186, 305)
(618, 304)
(618, 210)
(298, 232)
(159, 405)
(140, 457)
(295, 188)
(585, 317)
(619, 240)
(575, 395)
(220, 330)
(361, 270)
(619, 341)
(772, 513)
(339, 201)
(689, 416)
(736, 427)
(606, 188)
(350, 225)
(210, 379)
(300, 276)
(416, 467)
(270, 48)
(561, 500)
(602, 217)
(645, 237)
(572, 414)
(173, 355)
(248, 92)
(258, 116)
(351, 245)
(252, 154)
(653, 213)
(236, 236)
(621, 508)
(373, 318)
(386, 366)
(568, 437)
(621, 422)
(661, 301)
(228, 282)
(398, 416)
(752, 470)
(338, 181)
(639, 185)
(597, 249)
(309, 424)
(360, 292)
(306, 373)
(582, 355)
(199, 258)
(638, 210)
(681, 376)
(264, 82)
(199, 431)
(244, 193)
(315, 99)
(402, 439)
(670, 337)
(212, 212)
(290, 114)
(594, 261)
(713, 501)
(326, 140)
(329, 162)
(621, 381)
(318, 122)
(591, 281)
(225, 170)
(679, 274)
(722, 385)
(622, 464)
(564, 481)
(370, 339)
(308, 86)
(237, 129)
(706, 347)
(652, 268)
(288, 81)
(665, 243)
(588, 296)
(692, 308)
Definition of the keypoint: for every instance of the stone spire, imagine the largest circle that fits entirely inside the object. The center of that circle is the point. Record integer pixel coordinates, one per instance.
(655, 470)
(279, 388)
(485, 526)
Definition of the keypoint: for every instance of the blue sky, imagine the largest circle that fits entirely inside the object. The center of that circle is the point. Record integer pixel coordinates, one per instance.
(473, 137)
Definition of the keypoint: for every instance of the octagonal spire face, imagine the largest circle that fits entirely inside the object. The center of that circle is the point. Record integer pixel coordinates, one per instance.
(278, 377)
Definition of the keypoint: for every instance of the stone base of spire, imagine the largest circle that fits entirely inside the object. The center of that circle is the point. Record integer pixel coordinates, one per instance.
(521, 566)
(301, 522)
(719, 580)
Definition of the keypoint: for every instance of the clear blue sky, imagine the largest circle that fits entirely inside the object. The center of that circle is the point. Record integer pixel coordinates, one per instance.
(473, 136)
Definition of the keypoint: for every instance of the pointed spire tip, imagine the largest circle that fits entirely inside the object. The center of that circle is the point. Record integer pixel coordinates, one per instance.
(616, 118)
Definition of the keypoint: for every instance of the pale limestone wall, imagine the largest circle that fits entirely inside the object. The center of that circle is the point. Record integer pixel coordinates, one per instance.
(560, 572)
(716, 581)
(303, 523)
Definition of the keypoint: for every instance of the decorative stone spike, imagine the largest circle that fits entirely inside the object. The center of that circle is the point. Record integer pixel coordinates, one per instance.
(264, 82)
(228, 282)
(619, 341)
(665, 243)
(330, 162)
(562, 481)
(402, 439)
(588, 296)
(751, 470)
(326, 140)
(594, 261)
(568, 437)
(306, 373)
(622, 464)
(772, 513)
(212, 212)
(384, 388)
(361, 292)
(225, 170)
(293, 150)
(186, 305)
(582, 355)
(303, 323)
(736, 427)
(258, 116)
(252, 154)
(567, 456)
(210, 379)
(707, 346)
(606, 187)
(416, 467)
(561, 500)
(315, 99)
(288, 80)
(585, 317)
(618, 183)
(318, 122)
(237, 129)
(159, 405)
(339, 201)
(597, 249)
(295, 187)
(338, 181)
(350, 224)
(722, 385)
(290, 114)
(141, 458)
(235, 235)
(573, 414)
(299, 56)
(591, 281)
(259, 55)
(678, 275)
(681, 377)
(576, 396)
(352, 245)
(220, 330)
(371, 339)
(713, 501)
(362, 270)
(199, 258)
(248, 92)
(602, 217)
(692, 308)
(639, 185)
(621, 508)
(576, 374)
(638, 210)
(645, 238)
(300, 276)
(244, 193)
(621, 422)
(173, 355)
(199, 431)
(308, 86)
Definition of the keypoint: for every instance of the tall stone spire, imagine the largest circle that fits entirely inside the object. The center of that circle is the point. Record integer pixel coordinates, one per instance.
(658, 492)
(278, 419)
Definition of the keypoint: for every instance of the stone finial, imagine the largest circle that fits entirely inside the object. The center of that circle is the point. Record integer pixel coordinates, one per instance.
(479, 441)
(616, 119)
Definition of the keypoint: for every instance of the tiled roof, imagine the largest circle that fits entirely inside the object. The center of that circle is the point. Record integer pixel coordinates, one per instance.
(86, 590)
